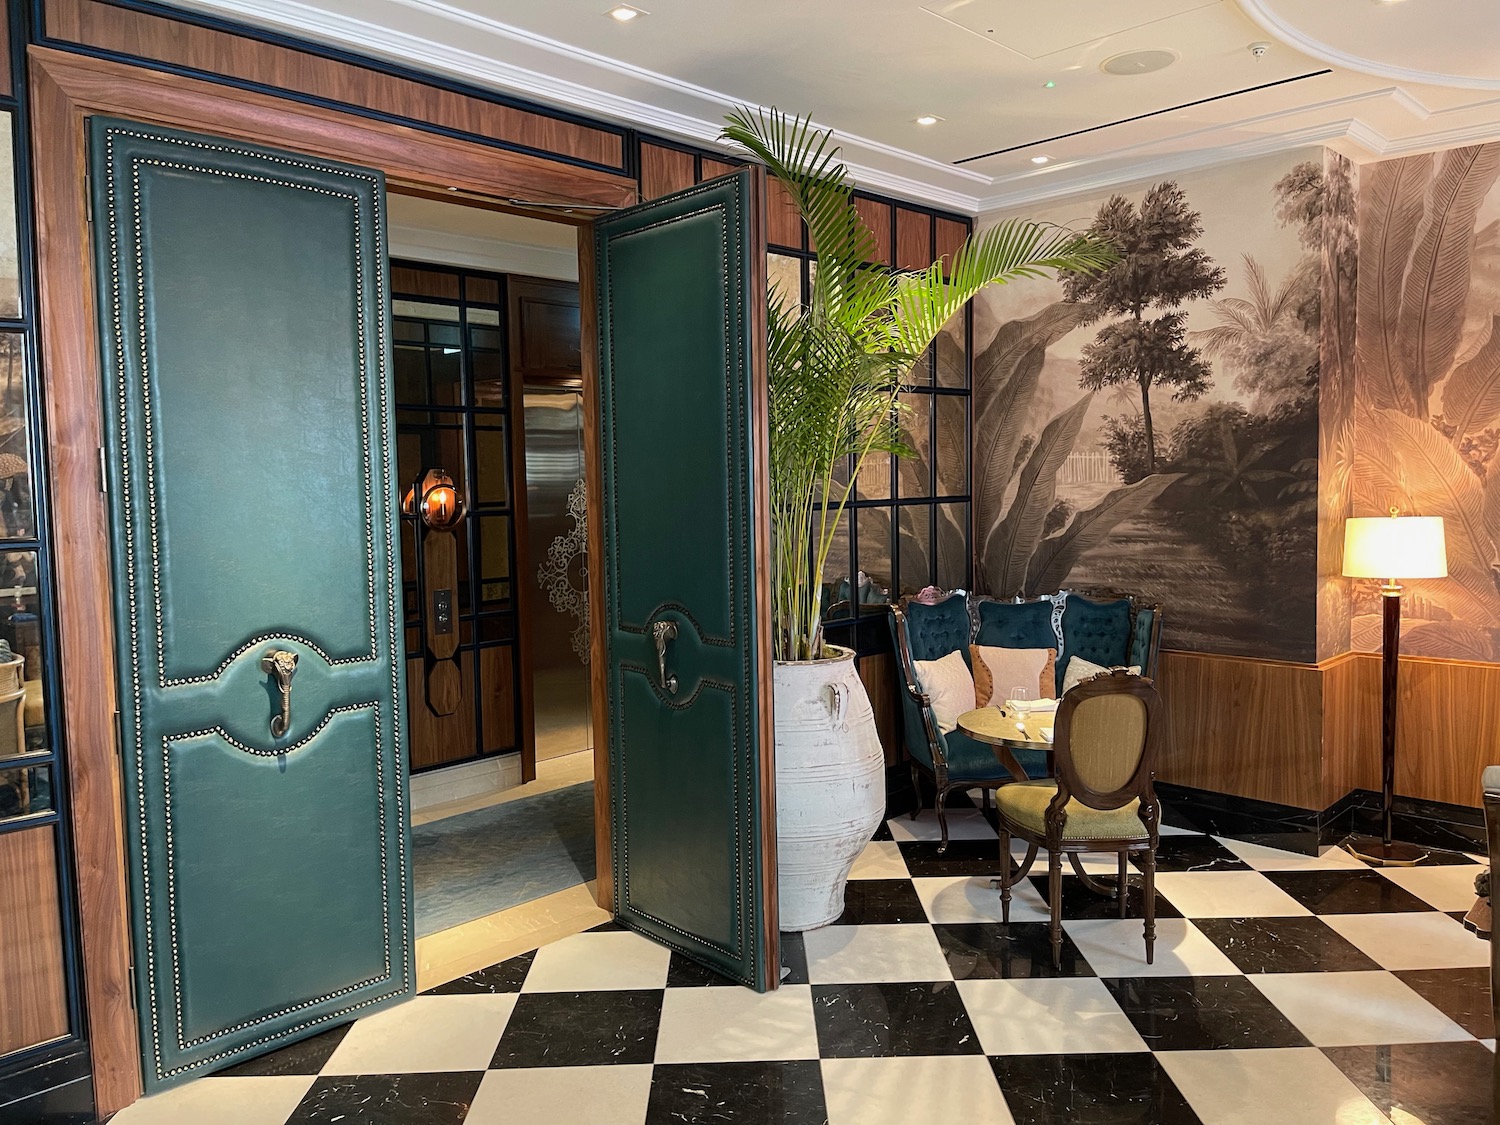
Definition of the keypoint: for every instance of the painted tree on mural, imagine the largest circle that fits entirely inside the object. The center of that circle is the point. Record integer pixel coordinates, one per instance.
(1158, 270)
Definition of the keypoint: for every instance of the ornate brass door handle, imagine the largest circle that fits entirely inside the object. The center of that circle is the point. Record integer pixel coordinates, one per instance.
(283, 665)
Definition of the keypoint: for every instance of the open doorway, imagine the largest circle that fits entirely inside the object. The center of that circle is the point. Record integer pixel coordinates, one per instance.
(485, 324)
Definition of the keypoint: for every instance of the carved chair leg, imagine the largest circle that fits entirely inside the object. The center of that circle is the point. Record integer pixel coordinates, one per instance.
(1005, 872)
(1054, 902)
(1148, 887)
(1123, 885)
(984, 798)
(916, 788)
(941, 805)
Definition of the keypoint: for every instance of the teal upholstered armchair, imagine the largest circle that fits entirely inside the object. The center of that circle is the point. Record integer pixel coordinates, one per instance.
(1108, 630)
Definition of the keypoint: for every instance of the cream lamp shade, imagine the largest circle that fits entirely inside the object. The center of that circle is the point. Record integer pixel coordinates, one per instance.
(1395, 547)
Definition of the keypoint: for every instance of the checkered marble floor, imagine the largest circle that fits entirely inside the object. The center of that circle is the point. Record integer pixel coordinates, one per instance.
(1287, 988)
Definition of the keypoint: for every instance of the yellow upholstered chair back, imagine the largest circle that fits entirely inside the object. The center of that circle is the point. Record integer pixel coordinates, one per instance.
(1106, 733)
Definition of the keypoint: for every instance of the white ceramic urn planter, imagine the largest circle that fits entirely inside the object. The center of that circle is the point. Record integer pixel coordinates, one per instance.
(830, 784)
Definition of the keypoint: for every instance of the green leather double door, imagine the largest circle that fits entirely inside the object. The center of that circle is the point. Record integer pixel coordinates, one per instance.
(681, 386)
(242, 303)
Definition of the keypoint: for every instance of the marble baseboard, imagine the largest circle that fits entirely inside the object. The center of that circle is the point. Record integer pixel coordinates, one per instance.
(56, 1089)
(465, 780)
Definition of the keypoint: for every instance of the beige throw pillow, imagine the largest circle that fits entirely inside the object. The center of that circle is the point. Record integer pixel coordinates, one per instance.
(1080, 669)
(949, 687)
(998, 670)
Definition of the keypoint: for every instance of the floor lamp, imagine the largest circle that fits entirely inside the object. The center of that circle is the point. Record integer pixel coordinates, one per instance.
(1382, 547)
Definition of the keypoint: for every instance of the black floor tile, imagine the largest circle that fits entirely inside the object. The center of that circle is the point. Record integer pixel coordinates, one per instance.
(870, 902)
(1194, 853)
(1434, 1083)
(389, 1099)
(610, 927)
(793, 958)
(1346, 892)
(1080, 902)
(683, 972)
(1284, 945)
(1124, 1089)
(306, 1057)
(876, 1020)
(963, 857)
(1443, 857)
(580, 1029)
(750, 1093)
(1463, 995)
(508, 976)
(989, 950)
(1202, 1013)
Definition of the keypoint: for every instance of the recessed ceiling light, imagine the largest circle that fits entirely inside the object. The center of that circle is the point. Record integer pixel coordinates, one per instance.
(1138, 62)
(1040, 159)
(928, 119)
(1049, 85)
(624, 13)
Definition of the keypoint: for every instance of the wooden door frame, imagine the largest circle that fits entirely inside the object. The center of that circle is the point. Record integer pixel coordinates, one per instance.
(66, 88)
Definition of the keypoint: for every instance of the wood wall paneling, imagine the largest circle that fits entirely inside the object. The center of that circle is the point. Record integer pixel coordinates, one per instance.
(665, 170)
(1351, 725)
(950, 234)
(6, 78)
(713, 169)
(32, 980)
(913, 239)
(1251, 728)
(877, 217)
(783, 220)
(147, 36)
(407, 281)
(544, 330)
(878, 674)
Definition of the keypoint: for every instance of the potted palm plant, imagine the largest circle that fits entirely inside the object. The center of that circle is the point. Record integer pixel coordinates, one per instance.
(837, 367)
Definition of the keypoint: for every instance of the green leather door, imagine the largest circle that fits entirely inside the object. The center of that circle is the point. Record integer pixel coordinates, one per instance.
(681, 294)
(242, 302)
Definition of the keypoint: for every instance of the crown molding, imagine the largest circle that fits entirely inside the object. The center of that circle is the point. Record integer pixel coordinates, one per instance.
(1273, 24)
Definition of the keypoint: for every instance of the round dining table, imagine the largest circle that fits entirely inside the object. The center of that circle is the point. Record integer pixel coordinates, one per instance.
(1006, 731)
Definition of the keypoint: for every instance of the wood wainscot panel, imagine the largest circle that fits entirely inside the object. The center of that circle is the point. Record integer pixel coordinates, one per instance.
(913, 239)
(950, 236)
(1250, 728)
(6, 78)
(878, 674)
(161, 39)
(32, 980)
(665, 170)
(783, 220)
(877, 216)
(409, 281)
(713, 169)
(1351, 725)
(438, 739)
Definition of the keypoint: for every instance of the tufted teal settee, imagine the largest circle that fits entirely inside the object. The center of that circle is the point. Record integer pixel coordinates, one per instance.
(1105, 629)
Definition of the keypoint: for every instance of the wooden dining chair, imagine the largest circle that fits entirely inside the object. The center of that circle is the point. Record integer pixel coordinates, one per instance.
(1102, 798)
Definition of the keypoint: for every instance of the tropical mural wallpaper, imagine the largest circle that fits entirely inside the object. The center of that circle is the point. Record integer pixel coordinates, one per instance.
(1155, 429)
(1425, 424)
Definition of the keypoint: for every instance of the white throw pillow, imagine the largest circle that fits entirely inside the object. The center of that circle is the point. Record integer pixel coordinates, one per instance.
(1080, 669)
(949, 687)
(999, 671)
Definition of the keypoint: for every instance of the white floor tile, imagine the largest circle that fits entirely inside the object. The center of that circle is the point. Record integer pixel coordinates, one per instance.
(1047, 1016)
(1412, 940)
(1263, 858)
(1173, 830)
(427, 1033)
(1226, 894)
(1352, 1009)
(881, 859)
(953, 900)
(904, 1091)
(1290, 1086)
(223, 1101)
(963, 824)
(1095, 863)
(869, 954)
(593, 962)
(1115, 947)
(565, 1095)
(736, 1025)
(1448, 886)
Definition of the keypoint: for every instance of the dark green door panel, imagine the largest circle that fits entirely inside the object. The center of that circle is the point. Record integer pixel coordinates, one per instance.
(681, 394)
(242, 294)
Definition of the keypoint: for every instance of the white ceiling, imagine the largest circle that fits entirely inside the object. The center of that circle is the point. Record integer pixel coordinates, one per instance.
(432, 230)
(1403, 76)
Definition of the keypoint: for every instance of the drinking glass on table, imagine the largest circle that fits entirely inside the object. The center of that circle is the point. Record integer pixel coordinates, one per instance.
(1020, 699)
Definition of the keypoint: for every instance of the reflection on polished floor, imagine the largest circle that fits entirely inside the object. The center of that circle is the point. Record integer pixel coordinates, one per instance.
(1287, 988)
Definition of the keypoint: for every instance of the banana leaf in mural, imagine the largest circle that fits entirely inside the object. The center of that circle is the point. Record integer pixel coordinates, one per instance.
(1056, 555)
(1436, 289)
(1452, 639)
(1012, 540)
(1471, 396)
(1393, 194)
(1409, 462)
(1005, 380)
